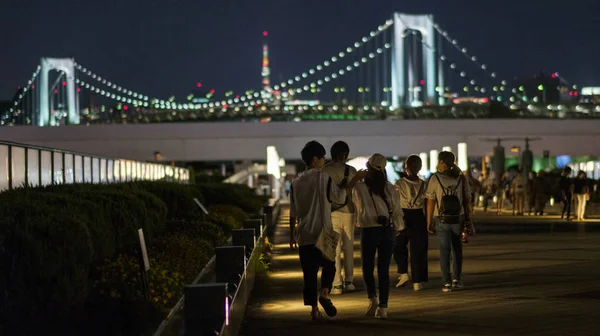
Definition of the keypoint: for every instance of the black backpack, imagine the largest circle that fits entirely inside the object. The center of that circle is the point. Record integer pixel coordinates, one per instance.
(342, 185)
(450, 207)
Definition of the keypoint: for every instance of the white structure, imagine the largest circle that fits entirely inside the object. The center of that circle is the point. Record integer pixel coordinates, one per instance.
(67, 66)
(463, 158)
(248, 141)
(433, 159)
(424, 24)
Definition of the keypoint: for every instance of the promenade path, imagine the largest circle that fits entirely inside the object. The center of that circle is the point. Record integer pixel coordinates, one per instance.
(522, 275)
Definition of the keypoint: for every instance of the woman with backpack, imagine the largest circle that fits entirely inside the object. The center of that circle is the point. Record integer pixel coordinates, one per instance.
(411, 190)
(379, 217)
(448, 198)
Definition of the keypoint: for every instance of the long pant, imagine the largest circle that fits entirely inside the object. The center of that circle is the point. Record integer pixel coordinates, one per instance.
(450, 245)
(378, 240)
(343, 223)
(520, 201)
(567, 206)
(581, 203)
(311, 259)
(540, 203)
(415, 234)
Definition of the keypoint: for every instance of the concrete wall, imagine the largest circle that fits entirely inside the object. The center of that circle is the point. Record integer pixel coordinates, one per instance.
(237, 141)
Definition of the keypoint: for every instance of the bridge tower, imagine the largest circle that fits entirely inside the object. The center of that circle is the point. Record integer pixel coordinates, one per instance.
(67, 67)
(425, 25)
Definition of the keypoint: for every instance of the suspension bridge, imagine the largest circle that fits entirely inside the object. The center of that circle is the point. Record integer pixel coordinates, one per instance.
(407, 68)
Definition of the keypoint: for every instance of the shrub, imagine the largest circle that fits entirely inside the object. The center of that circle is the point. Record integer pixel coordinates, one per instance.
(204, 230)
(182, 253)
(120, 279)
(238, 214)
(178, 198)
(46, 256)
(234, 194)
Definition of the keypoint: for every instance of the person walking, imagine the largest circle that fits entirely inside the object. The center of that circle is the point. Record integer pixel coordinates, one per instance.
(448, 213)
(518, 190)
(343, 218)
(379, 216)
(565, 184)
(581, 191)
(411, 190)
(310, 207)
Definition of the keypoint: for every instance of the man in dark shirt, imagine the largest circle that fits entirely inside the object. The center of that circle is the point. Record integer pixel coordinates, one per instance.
(566, 191)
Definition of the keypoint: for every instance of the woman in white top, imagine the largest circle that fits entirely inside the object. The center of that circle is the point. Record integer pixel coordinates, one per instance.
(412, 200)
(379, 216)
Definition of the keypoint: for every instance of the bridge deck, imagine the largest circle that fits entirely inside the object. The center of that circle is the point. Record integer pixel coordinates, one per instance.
(542, 283)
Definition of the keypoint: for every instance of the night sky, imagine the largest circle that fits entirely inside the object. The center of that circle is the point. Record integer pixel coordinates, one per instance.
(164, 48)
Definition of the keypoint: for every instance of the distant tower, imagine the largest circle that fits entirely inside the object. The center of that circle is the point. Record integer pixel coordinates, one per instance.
(266, 72)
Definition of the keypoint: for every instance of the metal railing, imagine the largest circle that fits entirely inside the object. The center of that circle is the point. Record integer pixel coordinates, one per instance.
(27, 165)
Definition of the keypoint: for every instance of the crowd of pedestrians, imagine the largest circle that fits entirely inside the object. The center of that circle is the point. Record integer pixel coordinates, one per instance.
(533, 192)
(327, 202)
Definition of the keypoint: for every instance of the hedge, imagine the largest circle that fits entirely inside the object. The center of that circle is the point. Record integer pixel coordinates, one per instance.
(69, 252)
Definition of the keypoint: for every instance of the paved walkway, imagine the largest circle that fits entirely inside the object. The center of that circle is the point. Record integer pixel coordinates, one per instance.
(540, 284)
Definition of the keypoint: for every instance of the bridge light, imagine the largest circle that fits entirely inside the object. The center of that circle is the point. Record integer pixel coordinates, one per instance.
(541, 87)
(199, 85)
(265, 33)
(521, 88)
(356, 44)
(326, 63)
(387, 46)
(349, 49)
(422, 82)
(64, 83)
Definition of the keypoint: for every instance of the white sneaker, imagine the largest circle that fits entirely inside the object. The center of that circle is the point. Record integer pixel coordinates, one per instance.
(457, 284)
(350, 287)
(402, 280)
(417, 286)
(373, 304)
(447, 288)
(381, 313)
(336, 290)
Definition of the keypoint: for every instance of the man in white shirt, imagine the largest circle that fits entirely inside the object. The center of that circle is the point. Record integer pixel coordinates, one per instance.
(311, 195)
(342, 217)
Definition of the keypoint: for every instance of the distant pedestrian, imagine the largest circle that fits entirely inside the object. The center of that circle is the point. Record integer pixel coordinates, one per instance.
(343, 218)
(311, 195)
(565, 184)
(411, 190)
(287, 185)
(519, 192)
(448, 213)
(581, 191)
(380, 218)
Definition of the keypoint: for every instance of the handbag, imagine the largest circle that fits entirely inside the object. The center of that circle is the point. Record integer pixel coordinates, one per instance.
(328, 239)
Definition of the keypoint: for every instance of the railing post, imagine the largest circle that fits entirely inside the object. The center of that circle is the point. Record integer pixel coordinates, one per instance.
(206, 308)
(244, 237)
(230, 263)
(255, 224)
